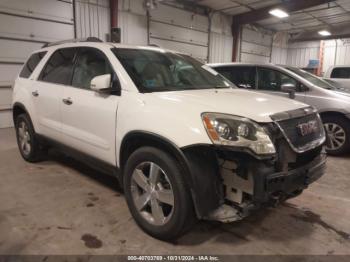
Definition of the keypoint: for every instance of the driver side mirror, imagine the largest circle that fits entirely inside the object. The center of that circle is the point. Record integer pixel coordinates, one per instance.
(290, 89)
(101, 84)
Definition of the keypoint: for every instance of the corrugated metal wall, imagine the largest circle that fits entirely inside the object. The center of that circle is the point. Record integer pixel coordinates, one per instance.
(24, 27)
(93, 19)
(299, 54)
(221, 40)
(279, 48)
(336, 52)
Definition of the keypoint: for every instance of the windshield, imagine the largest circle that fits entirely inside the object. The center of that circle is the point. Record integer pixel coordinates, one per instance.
(154, 71)
(311, 78)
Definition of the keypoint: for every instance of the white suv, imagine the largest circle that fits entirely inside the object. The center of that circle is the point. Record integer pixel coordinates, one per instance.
(180, 139)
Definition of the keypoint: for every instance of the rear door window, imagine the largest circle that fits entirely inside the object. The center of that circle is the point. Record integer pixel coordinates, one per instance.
(58, 69)
(341, 72)
(241, 76)
(31, 64)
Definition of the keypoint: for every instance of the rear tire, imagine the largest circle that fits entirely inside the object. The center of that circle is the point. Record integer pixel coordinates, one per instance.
(149, 173)
(338, 134)
(28, 144)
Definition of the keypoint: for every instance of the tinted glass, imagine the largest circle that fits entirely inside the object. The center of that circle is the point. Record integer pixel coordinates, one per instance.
(59, 68)
(341, 72)
(90, 63)
(153, 70)
(31, 64)
(243, 77)
(272, 80)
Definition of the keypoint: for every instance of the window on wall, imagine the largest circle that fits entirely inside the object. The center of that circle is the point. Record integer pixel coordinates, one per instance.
(341, 72)
(90, 63)
(272, 80)
(31, 64)
(59, 68)
(241, 76)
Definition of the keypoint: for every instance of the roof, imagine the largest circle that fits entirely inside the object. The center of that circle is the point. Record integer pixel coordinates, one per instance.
(239, 64)
(74, 43)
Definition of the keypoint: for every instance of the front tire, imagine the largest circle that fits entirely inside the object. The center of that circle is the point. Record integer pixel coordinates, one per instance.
(157, 195)
(338, 134)
(28, 144)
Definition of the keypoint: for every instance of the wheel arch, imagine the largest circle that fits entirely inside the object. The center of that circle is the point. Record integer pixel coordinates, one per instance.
(193, 163)
(18, 109)
(136, 139)
(333, 113)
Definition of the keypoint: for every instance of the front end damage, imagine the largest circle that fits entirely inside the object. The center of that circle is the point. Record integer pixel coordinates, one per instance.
(227, 183)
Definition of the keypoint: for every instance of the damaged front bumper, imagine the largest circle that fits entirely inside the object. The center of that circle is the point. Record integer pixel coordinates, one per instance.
(240, 183)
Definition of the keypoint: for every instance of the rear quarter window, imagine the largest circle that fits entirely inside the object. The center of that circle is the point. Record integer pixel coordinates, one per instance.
(341, 72)
(31, 64)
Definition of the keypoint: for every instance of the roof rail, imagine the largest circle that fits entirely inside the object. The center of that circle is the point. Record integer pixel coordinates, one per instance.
(75, 40)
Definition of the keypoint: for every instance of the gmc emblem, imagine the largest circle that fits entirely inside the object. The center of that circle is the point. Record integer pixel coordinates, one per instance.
(308, 128)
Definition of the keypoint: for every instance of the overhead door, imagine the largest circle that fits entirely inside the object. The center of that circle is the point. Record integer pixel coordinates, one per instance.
(256, 46)
(181, 31)
(24, 27)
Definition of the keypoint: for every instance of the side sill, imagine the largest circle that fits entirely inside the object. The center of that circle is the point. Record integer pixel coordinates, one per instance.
(88, 160)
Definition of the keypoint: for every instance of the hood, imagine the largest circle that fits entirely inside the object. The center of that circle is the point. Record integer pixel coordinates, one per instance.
(344, 92)
(253, 105)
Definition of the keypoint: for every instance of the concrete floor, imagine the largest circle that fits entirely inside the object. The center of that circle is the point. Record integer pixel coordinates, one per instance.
(62, 207)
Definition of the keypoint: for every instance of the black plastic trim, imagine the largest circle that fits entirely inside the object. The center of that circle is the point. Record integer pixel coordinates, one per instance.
(242, 150)
(82, 157)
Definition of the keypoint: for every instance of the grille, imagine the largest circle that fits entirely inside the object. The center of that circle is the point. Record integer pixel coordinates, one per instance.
(299, 142)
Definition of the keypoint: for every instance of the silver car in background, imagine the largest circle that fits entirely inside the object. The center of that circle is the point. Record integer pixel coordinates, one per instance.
(333, 104)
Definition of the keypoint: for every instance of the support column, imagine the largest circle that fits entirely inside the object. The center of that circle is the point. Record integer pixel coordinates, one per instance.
(113, 5)
(236, 30)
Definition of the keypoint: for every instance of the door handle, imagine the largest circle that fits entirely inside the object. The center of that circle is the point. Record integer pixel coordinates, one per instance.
(67, 101)
(35, 93)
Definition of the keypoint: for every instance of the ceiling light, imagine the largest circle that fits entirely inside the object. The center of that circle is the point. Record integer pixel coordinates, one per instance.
(278, 13)
(324, 33)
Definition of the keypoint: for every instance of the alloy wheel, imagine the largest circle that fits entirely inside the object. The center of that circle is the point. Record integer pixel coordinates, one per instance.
(152, 193)
(24, 138)
(336, 136)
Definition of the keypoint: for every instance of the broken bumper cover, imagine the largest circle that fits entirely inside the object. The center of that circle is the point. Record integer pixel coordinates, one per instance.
(268, 186)
(274, 188)
(283, 185)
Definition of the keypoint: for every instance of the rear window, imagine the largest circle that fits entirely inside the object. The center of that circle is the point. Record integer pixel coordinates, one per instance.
(341, 72)
(31, 64)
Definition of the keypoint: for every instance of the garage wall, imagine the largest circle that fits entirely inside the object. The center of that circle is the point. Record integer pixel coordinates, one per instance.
(300, 53)
(221, 40)
(336, 52)
(132, 20)
(176, 29)
(255, 45)
(182, 30)
(92, 19)
(280, 48)
(27, 25)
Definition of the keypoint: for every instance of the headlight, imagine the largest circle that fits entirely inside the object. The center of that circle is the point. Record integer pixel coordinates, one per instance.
(237, 131)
